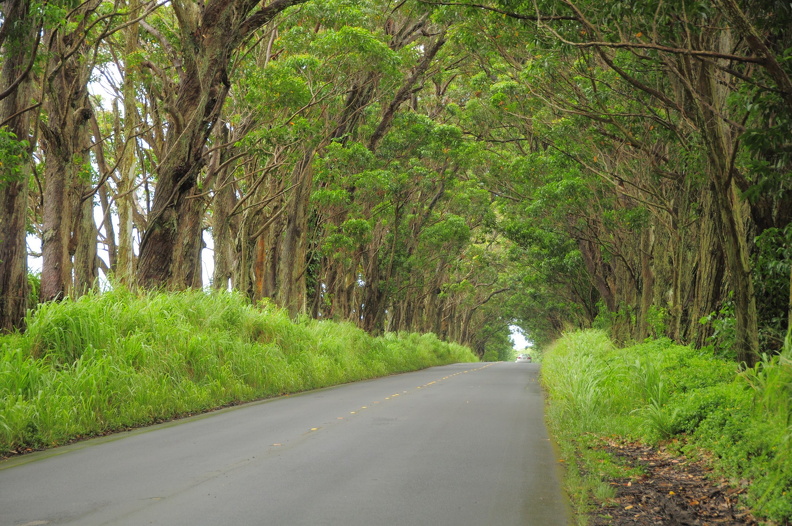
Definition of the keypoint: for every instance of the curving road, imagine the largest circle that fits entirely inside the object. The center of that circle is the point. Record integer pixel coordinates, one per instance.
(458, 445)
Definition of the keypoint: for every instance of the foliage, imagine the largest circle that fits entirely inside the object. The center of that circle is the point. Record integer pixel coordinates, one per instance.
(34, 286)
(772, 271)
(13, 154)
(498, 349)
(660, 391)
(115, 360)
(723, 329)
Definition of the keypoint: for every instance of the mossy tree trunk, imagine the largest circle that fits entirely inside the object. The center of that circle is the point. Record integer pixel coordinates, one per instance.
(18, 49)
(66, 140)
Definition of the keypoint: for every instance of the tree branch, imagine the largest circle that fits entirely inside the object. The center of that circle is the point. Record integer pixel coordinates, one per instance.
(510, 14)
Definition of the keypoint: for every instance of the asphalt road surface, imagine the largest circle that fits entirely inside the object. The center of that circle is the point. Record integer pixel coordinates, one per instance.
(458, 445)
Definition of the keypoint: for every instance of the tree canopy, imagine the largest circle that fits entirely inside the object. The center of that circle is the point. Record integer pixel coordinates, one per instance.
(447, 167)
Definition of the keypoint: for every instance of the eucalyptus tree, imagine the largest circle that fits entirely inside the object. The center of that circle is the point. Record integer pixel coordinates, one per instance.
(122, 142)
(705, 65)
(632, 207)
(206, 38)
(126, 170)
(333, 75)
(303, 90)
(20, 35)
(667, 75)
(68, 224)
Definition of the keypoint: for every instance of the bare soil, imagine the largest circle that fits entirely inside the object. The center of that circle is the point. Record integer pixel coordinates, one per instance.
(673, 490)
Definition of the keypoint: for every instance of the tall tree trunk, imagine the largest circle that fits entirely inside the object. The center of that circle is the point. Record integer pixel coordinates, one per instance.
(170, 248)
(186, 270)
(223, 231)
(599, 271)
(709, 269)
(378, 280)
(18, 50)
(127, 167)
(720, 150)
(65, 141)
(104, 201)
(736, 249)
(647, 282)
(677, 306)
(260, 232)
(243, 273)
(86, 270)
(292, 261)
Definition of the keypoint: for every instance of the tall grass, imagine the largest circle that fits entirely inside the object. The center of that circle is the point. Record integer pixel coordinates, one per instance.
(116, 360)
(661, 392)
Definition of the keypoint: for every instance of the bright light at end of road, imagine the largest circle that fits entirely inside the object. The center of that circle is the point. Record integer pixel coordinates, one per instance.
(518, 338)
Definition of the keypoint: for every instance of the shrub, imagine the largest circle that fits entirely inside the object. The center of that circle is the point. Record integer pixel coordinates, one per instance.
(658, 391)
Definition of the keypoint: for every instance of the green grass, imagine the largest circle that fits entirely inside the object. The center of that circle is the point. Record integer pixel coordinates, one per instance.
(659, 392)
(117, 360)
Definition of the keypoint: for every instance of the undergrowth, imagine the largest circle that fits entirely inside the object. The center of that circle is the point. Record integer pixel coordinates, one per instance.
(117, 360)
(660, 392)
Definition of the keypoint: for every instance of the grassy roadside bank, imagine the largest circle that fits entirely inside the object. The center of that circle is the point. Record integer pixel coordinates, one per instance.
(117, 360)
(690, 402)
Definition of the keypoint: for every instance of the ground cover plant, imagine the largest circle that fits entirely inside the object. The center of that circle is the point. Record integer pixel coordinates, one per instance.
(116, 360)
(681, 399)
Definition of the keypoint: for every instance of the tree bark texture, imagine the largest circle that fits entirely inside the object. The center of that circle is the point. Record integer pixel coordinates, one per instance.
(224, 230)
(66, 136)
(709, 270)
(86, 269)
(292, 254)
(17, 49)
(647, 282)
(720, 143)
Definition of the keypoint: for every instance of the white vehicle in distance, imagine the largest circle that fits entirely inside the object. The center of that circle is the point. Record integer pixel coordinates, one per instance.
(523, 358)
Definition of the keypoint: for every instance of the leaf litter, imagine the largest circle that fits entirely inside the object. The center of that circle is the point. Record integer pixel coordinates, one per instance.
(672, 490)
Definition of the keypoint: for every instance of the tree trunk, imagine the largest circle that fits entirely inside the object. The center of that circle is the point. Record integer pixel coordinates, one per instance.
(720, 150)
(223, 230)
(170, 248)
(65, 141)
(127, 167)
(599, 272)
(677, 307)
(647, 282)
(17, 50)
(86, 270)
(291, 262)
(708, 271)
(186, 271)
(736, 249)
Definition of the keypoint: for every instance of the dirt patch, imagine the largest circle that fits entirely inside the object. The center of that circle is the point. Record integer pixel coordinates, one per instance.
(673, 490)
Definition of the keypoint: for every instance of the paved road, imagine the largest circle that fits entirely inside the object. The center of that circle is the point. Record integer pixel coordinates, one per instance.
(457, 445)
